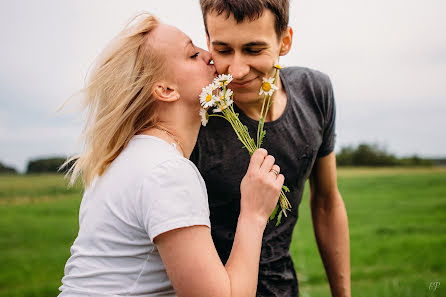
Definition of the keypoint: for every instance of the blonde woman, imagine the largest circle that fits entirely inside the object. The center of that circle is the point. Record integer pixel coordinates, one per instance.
(144, 218)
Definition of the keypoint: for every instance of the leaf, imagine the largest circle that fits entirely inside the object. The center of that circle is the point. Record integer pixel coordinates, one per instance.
(273, 214)
(279, 217)
(286, 189)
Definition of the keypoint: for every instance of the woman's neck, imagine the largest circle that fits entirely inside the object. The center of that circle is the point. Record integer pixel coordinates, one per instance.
(183, 132)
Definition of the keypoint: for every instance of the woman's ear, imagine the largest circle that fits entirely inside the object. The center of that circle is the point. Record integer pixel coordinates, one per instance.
(165, 92)
(286, 42)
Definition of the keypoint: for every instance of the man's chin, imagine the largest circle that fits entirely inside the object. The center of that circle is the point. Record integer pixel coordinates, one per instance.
(244, 98)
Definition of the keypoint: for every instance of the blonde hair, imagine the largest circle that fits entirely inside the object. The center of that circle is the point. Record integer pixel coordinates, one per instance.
(118, 98)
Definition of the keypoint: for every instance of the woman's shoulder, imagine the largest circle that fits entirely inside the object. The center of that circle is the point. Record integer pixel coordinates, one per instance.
(152, 158)
(145, 152)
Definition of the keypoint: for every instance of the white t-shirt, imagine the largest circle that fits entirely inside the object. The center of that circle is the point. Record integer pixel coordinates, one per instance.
(149, 189)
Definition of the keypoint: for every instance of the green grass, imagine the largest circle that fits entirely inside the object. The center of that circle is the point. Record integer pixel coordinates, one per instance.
(38, 223)
(396, 218)
(397, 234)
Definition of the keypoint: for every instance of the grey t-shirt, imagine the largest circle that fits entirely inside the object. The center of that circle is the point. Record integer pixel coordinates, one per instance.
(304, 132)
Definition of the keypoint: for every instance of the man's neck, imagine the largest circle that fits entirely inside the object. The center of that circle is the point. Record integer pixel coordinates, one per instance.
(253, 109)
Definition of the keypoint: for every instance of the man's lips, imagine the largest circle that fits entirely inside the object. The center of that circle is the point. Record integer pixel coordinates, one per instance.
(242, 84)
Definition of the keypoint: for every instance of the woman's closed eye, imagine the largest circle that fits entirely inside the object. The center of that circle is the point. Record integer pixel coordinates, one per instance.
(195, 55)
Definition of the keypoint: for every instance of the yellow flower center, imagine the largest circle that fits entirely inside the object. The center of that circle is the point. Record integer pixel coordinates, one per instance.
(208, 97)
(266, 86)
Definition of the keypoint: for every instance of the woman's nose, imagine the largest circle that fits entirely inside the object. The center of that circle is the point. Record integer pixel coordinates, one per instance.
(206, 56)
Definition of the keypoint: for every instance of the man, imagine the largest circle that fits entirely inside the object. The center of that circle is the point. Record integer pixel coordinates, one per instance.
(246, 38)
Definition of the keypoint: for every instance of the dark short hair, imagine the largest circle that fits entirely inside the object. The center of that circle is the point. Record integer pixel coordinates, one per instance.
(249, 9)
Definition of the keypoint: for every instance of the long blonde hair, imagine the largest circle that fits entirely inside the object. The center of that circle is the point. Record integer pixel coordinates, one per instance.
(118, 98)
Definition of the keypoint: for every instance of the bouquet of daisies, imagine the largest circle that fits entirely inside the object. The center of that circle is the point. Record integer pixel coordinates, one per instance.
(219, 97)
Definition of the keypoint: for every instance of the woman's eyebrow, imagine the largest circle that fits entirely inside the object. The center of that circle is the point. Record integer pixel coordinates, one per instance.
(189, 42)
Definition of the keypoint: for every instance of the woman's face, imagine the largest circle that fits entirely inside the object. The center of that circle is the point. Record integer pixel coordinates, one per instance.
(188, 66)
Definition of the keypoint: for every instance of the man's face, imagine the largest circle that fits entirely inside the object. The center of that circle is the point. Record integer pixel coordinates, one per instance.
(247, 51)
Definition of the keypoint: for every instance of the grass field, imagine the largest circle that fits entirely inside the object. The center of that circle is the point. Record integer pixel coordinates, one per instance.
(397, 231)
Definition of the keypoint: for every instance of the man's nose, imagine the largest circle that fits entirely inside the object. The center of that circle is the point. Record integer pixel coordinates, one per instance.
(238, 67)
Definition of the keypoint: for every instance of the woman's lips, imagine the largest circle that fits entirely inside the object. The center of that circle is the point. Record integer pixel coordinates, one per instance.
(242, 84)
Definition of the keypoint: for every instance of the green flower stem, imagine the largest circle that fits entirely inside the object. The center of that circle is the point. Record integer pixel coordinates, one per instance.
(240, 130)
(264, 113)
(260, 126)
(283, 200)
(243, 135)
(216, 115)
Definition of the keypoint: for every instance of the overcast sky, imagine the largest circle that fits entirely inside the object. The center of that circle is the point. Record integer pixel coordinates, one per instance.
(386, 59)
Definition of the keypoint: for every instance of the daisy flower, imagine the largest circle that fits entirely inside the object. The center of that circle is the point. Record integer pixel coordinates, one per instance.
(277, 66)
(268, 87)
(222, 80)
(207, 99)
(204, 116)
(221, 97)
(223, 105)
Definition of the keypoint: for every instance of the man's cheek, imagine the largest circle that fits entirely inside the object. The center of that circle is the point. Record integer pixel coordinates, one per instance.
(220, 65)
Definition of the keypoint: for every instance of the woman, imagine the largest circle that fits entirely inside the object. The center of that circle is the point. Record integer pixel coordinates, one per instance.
(144, 219)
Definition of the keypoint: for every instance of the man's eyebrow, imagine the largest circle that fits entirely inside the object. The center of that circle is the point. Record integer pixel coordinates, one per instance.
(256, 43)
(218, 42)
(252, 43)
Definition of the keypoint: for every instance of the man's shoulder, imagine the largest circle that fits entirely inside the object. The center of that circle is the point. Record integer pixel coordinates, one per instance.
(304, 74)
(311, 84)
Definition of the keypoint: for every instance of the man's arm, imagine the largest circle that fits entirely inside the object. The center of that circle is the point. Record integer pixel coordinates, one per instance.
(330, 225)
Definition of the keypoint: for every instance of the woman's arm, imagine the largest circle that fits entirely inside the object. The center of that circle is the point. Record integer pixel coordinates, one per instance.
(189, 254)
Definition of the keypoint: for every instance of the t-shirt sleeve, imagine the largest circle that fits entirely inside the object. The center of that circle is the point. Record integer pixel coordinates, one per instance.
(173, 196)
(329, 108)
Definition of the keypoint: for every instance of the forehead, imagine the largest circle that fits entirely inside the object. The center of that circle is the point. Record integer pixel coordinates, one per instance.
(226, 29)
(168, 37)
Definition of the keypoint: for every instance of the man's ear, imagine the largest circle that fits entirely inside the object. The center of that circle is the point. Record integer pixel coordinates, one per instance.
(165, 92)
(287, 40)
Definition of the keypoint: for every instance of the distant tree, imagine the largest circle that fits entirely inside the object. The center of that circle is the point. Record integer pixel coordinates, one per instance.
(372, 155)
(49, 165)
(6, 169)
(438, 161)
(345, 156)
(416, 161)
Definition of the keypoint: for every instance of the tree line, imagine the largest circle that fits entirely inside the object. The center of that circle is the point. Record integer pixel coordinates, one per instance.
(364, 154)
(374, 156)
(46, 165)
